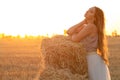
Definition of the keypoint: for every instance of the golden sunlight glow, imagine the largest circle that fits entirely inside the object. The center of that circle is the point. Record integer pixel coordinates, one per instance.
(29, 17)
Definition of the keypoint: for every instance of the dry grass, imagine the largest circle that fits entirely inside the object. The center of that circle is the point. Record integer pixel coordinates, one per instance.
(63, 59)
(60, 53)
(114, 51)
(20, 59)
(18, 68)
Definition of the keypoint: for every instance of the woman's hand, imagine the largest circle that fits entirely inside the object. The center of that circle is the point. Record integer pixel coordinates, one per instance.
(76, 28)
(71, 31)
(79, 29)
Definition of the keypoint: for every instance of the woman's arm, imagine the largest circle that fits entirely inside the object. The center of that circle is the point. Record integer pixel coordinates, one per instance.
(87, 29)
(74, 28)
(79, 29)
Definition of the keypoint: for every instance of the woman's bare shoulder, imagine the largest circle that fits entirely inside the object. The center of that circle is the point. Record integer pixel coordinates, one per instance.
(91, 27)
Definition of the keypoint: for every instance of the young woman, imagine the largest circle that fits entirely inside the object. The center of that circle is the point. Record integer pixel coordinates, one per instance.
(91, 32)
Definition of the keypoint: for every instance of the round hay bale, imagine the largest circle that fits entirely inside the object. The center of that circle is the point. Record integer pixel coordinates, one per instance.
(51, 73)
(60, 52)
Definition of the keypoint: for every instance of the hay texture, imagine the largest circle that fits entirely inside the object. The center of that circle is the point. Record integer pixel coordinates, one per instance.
(51, 73)
(63, 59)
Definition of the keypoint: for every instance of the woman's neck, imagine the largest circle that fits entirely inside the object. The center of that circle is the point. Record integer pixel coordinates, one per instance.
(90, 20)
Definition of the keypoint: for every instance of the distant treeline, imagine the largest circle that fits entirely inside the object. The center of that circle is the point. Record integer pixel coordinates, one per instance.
(4, 36)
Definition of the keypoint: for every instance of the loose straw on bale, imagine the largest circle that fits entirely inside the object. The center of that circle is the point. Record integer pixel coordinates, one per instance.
(51, 73)
(59, 54)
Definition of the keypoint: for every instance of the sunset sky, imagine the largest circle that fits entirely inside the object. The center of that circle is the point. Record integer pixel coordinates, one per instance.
(40, 17)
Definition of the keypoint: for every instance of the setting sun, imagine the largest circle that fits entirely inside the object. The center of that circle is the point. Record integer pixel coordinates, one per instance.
(51, 16)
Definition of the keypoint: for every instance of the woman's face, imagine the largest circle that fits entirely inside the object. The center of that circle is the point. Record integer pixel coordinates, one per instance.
(90, 13)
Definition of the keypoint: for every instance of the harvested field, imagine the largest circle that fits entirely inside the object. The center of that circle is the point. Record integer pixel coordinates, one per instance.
(20, 59)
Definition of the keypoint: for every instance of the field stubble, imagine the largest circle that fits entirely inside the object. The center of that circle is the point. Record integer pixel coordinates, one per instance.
(20, 59)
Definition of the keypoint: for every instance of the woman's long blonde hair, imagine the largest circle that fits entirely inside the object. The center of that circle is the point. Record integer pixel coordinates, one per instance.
(102, 42)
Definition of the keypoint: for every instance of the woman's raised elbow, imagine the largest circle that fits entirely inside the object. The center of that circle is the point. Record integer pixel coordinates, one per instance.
(75, 38)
